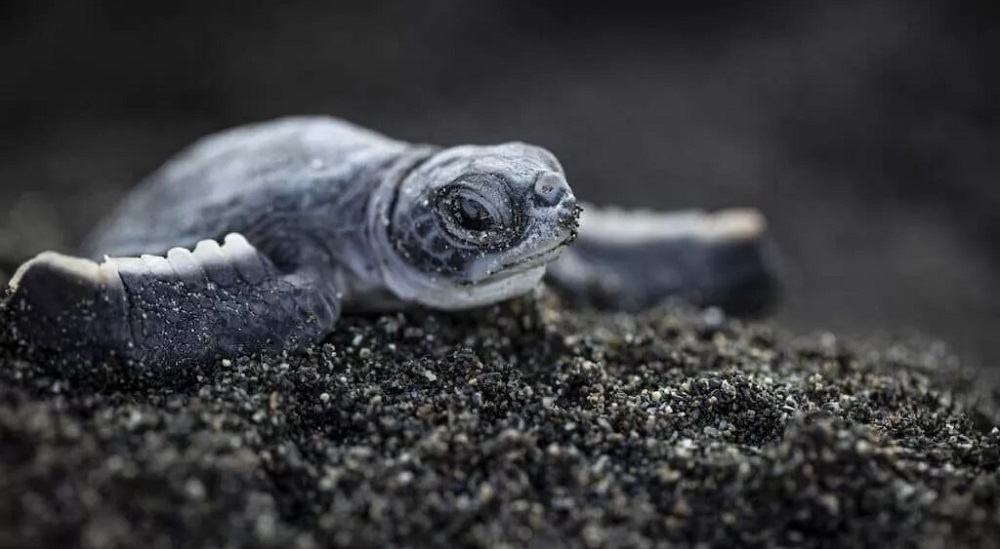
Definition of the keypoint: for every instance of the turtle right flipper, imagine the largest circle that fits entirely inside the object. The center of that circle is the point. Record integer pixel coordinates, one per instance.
(185, 307)
(635, 259)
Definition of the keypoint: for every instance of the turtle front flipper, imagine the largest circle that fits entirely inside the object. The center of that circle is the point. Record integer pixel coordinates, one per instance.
(634, 259)
(160, 311)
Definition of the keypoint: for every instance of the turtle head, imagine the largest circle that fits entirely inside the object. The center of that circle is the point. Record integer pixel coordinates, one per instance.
(477, 224)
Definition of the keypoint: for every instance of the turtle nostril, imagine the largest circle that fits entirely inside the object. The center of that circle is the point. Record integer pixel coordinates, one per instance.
(550, 188)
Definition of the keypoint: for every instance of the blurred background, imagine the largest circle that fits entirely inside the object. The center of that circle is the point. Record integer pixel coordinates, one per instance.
(867, 132)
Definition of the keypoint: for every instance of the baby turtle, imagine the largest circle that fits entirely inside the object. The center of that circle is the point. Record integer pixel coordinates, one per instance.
(258, 237)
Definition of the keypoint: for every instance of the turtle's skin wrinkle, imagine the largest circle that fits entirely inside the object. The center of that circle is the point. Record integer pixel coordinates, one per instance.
(258, 237)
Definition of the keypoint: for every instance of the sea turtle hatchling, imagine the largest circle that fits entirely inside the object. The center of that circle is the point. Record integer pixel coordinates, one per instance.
(256, 238)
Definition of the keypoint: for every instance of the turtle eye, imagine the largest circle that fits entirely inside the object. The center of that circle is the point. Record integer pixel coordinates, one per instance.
(477, 211)
(472, 214)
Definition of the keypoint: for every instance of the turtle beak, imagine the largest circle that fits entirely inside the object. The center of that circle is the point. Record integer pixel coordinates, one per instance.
(569, 220)
(552, 191)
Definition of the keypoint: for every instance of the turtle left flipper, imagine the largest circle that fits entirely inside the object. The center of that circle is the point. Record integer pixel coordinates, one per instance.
(633, 259)
(184, 307)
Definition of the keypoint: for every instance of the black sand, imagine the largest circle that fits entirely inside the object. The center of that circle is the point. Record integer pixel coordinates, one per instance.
(520, 426)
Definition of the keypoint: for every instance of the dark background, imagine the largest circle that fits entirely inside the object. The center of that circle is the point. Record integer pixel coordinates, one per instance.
(867, 132)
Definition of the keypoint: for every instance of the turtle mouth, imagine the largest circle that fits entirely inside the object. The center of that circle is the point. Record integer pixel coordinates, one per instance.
(536, 259)
(520, 265)
(531, 261)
